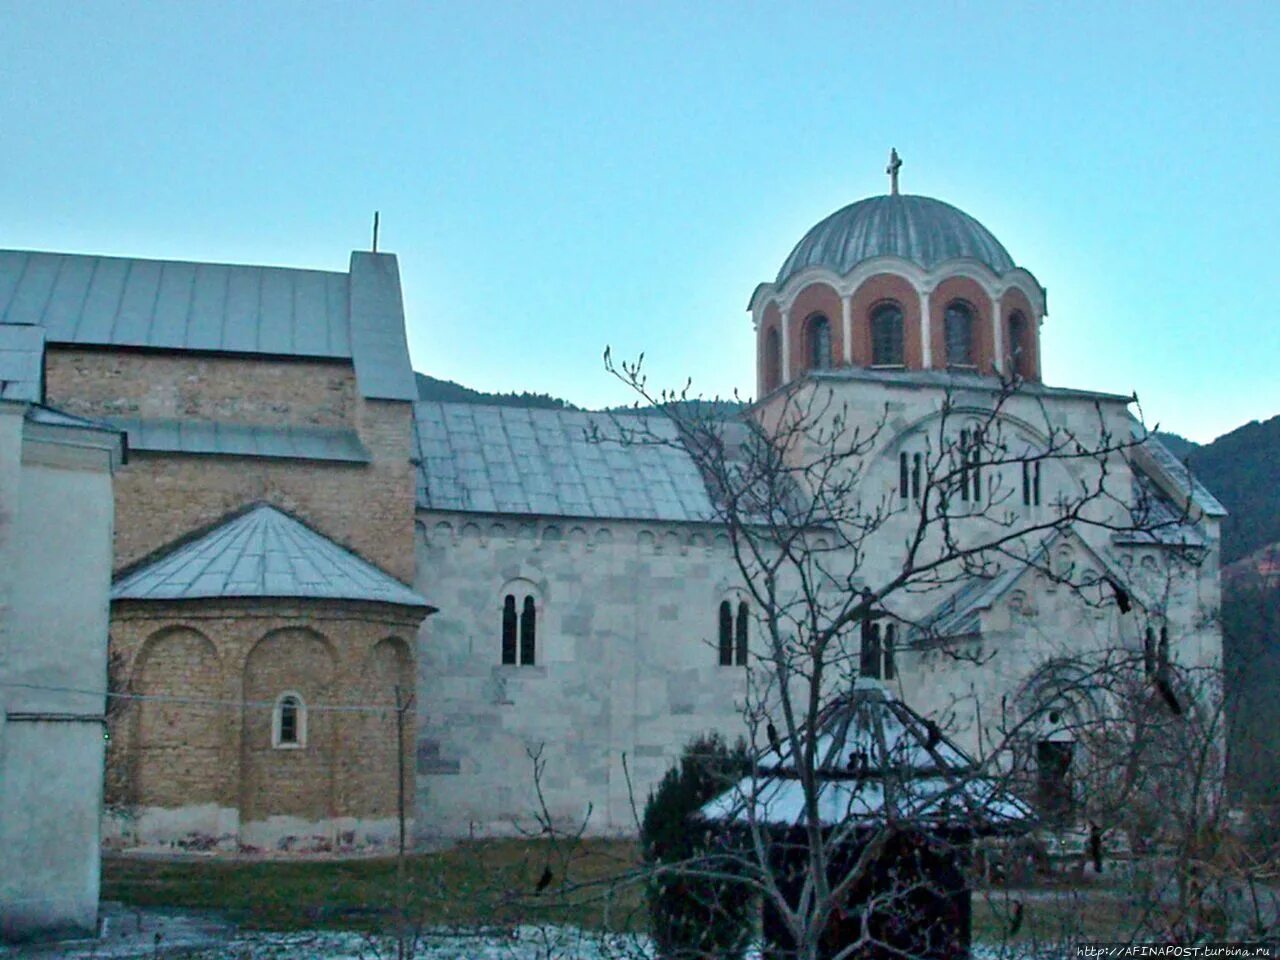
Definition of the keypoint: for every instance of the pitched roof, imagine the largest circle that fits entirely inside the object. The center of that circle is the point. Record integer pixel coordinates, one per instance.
(242, 439)
(876, 758)
(959, 614)
(262, 553)
(491, 459)
(176, 305)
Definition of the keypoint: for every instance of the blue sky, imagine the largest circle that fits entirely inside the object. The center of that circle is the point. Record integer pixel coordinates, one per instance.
(558, 177)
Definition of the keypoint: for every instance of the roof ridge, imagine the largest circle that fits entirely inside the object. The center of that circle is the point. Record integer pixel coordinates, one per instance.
(169, 260)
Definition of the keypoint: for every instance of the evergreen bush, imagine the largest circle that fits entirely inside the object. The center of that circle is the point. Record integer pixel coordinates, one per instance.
(692, 914)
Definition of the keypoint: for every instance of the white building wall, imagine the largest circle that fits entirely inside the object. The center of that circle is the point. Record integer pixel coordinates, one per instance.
(55, 549)
(627, 668)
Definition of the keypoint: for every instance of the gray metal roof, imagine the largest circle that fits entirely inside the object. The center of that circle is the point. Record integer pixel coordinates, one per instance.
(1157, 519)
(921, 229)
(490, 459)
(176, 305)
(248, 440)
(262, 553)
(1180, 475)
(875, 758)
(21, 362)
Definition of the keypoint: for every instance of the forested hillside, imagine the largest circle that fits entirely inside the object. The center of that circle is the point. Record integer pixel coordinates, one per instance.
(1242, 469)
(429, 388)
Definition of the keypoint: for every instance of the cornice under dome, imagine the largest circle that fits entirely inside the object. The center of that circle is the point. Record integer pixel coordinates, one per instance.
(920, 229)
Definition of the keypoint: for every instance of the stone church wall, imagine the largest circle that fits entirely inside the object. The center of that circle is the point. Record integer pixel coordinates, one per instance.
(627, 667)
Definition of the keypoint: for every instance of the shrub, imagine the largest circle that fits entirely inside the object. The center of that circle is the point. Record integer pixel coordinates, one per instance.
(693, 914)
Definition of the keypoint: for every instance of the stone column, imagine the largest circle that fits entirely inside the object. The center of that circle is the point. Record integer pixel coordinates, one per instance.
(786, 345)
(926, 348)
(997, 336)
(846, 315)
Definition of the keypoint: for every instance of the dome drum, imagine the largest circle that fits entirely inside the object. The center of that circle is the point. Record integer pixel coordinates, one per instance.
(898, 282)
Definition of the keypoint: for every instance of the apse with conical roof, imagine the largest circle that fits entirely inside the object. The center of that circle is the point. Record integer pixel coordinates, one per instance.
(898, 283)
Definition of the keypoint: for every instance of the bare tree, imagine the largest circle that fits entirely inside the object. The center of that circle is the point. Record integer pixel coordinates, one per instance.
(868, 541)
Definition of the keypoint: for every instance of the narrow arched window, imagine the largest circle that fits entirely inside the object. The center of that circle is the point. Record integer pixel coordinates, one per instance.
(869, 656)
(726, 634)
(971, 466)
(528, 631)
(1149, 653)
(1030, 483)
(819, 342)
(772, 360)
(509, 629)
(886, 336)
(289, 723)
(740, 636)
(959, 331)
(904, 475)
(1018, 359)
(890, 642)
(915, 476)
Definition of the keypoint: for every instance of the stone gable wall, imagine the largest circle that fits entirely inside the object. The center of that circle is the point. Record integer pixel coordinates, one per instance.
(162, 496)
(181, 386)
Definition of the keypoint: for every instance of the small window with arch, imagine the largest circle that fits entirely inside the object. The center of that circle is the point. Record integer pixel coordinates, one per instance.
(819, 342)
(734, 629)
(289, 722)
(1018, 359)
(886, 336)
(772, 360)
(1031, 483)
(971, 464)
(519, 631)
(910, 467)
(958, 327)
(877, 657)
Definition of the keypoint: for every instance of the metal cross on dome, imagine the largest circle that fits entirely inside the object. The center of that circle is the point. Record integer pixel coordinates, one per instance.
(895, 164)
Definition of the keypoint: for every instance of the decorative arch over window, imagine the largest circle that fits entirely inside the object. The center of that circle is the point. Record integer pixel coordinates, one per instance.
(772, 360)
(289, 722)
(886, 336)
(1019, 356)
(819, 342)
(958, 324)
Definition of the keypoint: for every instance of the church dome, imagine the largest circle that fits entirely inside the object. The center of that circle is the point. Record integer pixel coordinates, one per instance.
(921, 229)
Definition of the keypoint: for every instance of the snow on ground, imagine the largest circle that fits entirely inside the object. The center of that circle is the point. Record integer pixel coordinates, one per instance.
(523, 943)
(190, 942)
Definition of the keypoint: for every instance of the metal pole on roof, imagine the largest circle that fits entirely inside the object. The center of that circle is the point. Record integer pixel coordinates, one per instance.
(375, 231)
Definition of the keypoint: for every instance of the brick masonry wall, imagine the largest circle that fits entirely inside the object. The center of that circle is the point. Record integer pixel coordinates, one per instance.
(160, 496)
(172, 754)
(124, 383)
